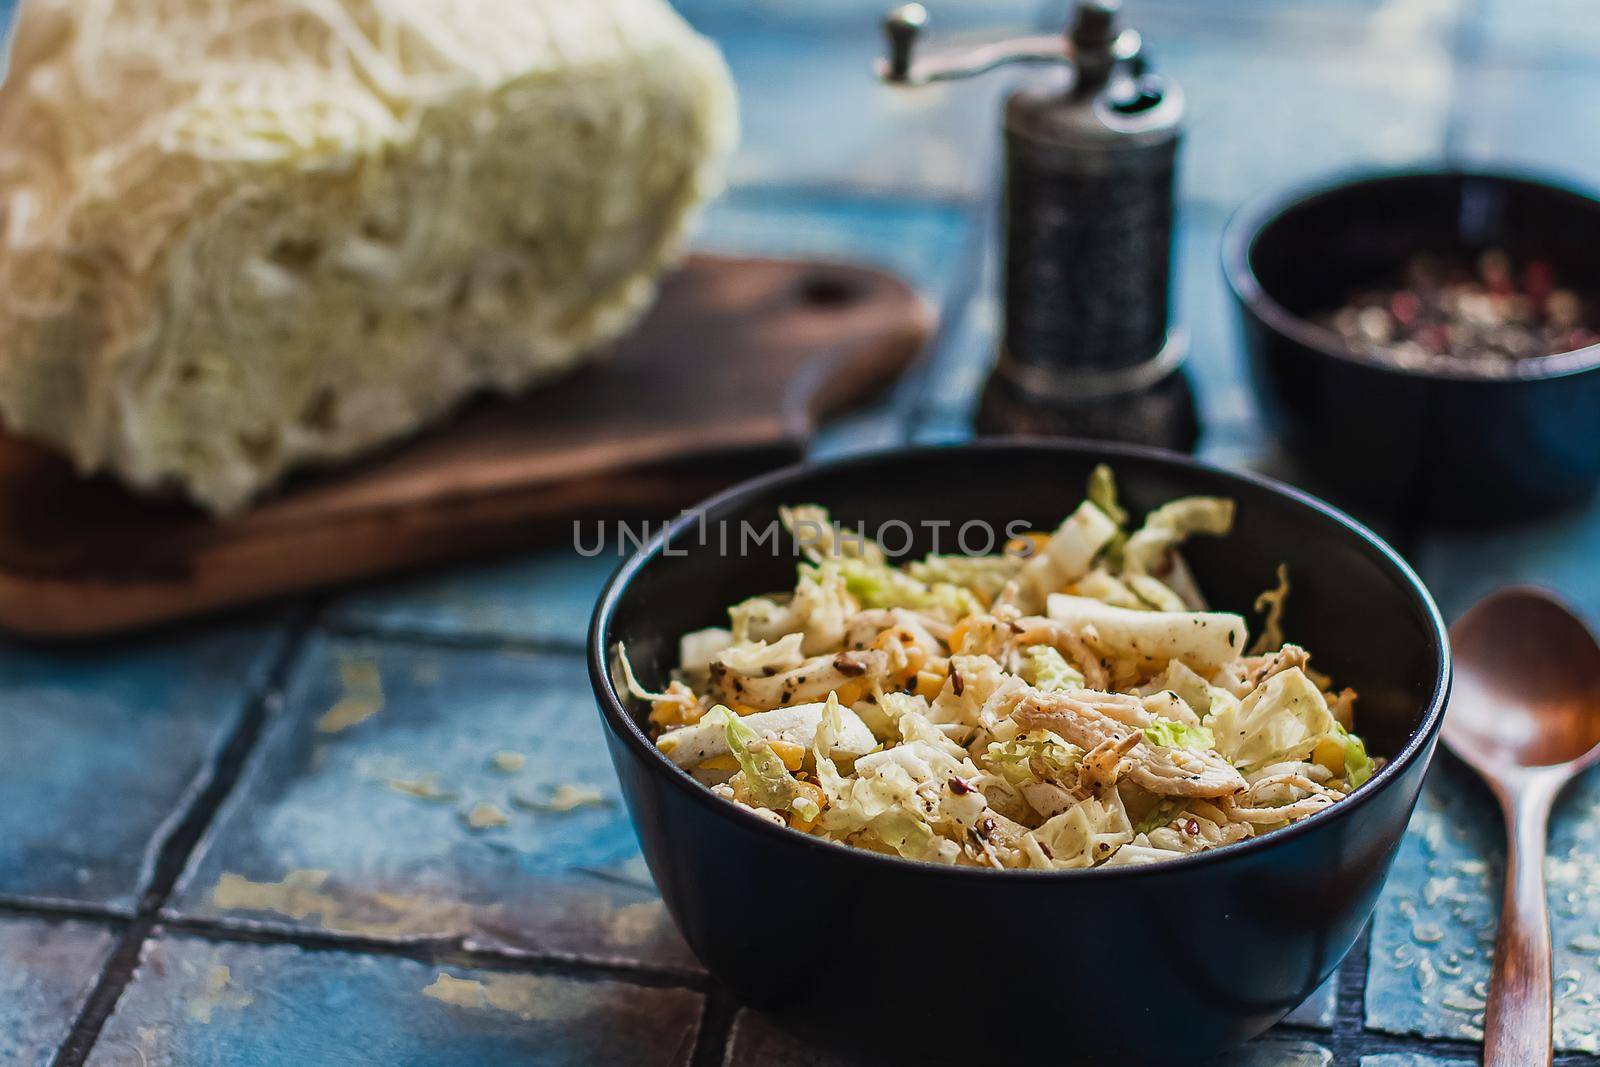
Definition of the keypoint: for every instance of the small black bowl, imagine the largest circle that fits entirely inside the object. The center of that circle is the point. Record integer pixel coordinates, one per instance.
(1459, 443)
(1179, 960)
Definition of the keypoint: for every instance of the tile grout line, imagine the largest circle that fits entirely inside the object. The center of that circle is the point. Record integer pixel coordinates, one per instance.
(1351, 1039)
(443, 950)
(1350, 996)
(1374, 1043)
(463, 641)
(713, 1040)
(63, 911)
(174, 852)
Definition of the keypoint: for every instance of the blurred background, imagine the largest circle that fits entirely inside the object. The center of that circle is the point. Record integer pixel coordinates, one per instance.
(250, 839)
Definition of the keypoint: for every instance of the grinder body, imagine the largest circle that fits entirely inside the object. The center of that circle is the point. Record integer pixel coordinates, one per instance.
(1087, 224)
(1088, 348)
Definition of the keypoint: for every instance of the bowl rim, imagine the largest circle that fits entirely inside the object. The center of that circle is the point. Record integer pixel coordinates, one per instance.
(622, 724)
(1245, 227)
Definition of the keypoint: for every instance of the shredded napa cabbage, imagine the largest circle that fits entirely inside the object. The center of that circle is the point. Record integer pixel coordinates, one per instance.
(1200, 695)
(1169, 733)
(1170, 525)
(1075, 706)
(817, 610)
(1037, 756)
(1103, 494)
(983, 576)
(757, 657)
(1043, 667)
(1088, 832)
(1358, 766)
(1282, 719)
(769, 781)
(1068, 555)
(821, 539)
(1159, 816)
(878, 585)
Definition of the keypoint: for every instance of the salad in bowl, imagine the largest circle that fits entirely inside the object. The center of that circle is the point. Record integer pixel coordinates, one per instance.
(1069, 702)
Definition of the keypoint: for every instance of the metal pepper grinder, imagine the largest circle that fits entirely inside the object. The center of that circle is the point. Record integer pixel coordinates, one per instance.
(1090, 164)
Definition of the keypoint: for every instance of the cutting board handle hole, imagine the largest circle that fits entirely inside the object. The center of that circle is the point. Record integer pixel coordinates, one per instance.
(830, 290)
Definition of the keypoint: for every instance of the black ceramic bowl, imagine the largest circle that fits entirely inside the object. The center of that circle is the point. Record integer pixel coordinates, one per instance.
(1176, 960)
(1460, 443)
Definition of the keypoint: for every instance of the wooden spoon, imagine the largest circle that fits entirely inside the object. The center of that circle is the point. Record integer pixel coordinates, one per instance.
(1525, 714)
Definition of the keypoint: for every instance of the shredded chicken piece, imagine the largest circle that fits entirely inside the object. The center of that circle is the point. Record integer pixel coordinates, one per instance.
(1166, 771)
(1074, 645)
(1259, 668)
(1126, 709)
(1190, 831)
(1107, 763)
(999, 839)
(1250, 806)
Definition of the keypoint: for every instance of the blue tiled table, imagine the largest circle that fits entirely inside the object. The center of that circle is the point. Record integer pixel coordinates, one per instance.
(379, 827)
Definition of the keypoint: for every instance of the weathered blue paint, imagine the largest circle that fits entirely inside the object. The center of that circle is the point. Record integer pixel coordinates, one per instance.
(1411, 1059)
(724, 19)
(1201, 308)
(194, 1002)
(1506, 117)
(922, 241)
(941, 429)
(1263, 116)
(540, 596)
(1549, 34)
(812, 112)
(102, 747)
(1298, 24)
(375, 861)
(869, 431)
(47, 970)
(1559, 551)
(957, 371)
(1433, 936)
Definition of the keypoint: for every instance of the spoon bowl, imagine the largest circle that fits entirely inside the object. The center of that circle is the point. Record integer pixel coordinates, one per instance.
(1527, 689)
(1524, 714)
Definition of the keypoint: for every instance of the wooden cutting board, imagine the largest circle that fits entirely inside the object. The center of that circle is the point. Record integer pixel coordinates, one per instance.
(728, 375)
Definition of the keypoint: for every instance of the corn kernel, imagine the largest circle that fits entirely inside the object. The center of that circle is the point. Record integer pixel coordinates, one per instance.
(814, 791)
(905, 654)
(791, 753)
(680, 710)
(958, 634)
(929, 683)
(724, 762)
(852, 691)
(1028, 545)
(1330, 754)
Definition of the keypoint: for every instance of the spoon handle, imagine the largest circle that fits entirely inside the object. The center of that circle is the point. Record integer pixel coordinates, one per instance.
(1518, 1021)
